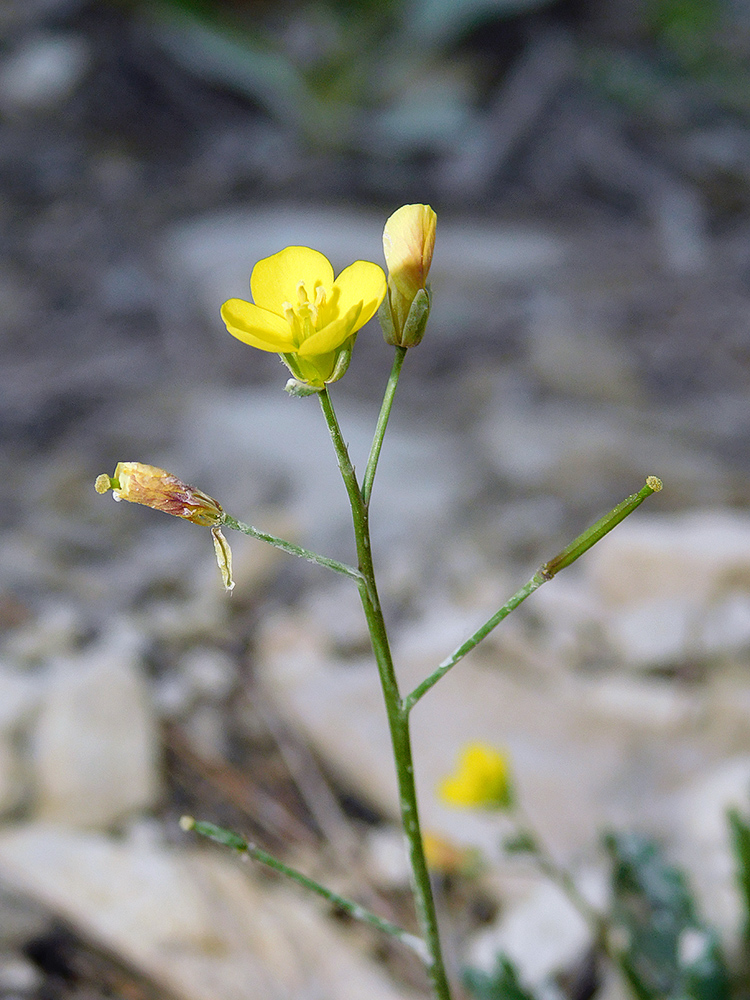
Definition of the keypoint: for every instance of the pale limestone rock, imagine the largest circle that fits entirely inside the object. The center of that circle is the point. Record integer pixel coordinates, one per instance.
(96, 742)
(19, 698)
(674, 586)
(240, 433)
(588, 750)
(697, 817)
(553, 448)
(543, 935)
(573, 765)
(14, 777)
(213, 256)
(195, 921)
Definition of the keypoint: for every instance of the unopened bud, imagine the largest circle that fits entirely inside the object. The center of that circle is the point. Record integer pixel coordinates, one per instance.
(408, 244)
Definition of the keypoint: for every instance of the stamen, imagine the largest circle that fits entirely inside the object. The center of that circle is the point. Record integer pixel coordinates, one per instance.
(302, 293)
(319, 303)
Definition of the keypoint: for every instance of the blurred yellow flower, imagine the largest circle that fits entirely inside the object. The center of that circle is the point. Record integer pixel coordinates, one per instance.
(154, 487)
(408, 244)
(300, 312)
(447, 858)
(482, 780)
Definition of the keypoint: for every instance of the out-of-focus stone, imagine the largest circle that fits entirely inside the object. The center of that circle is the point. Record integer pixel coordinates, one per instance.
(544, 935)
(239, 434)
(675, 586)
(211, 673)
(192, 921)
(18, 977)
(562, 450)
(96, 742)
(19, 698)
(214, 255)
(572, 354)
(14, 777)
(698, 828)
(52, 632)
(42, 72)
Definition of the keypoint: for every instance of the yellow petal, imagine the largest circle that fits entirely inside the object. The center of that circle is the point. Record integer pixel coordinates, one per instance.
(274, 279)
(257, 327)
(362, 282)
(332, 336)
(408, 243)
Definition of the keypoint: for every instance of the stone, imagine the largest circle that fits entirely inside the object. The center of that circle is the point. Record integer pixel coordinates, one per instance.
(544, 935)
(18, 977)
(675, 586)
(42, 72)
(96, 741)
(214, 255)
(553, 447)
(570, 353)
(19, 698)
(572, 765)
(287, 439)
(698, 829)
(195, 921)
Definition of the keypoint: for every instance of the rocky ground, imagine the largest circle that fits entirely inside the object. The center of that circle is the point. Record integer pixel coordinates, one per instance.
(584, 334)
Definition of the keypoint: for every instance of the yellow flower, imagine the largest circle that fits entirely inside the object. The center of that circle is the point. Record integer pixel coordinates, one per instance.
(481, 781)
(156, 488)
(408, 243)
(153, 487)
(447, 858)
(301, 313)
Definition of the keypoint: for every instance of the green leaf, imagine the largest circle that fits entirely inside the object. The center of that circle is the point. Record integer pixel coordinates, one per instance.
(670, 953)
(522, 842)
(437, 22)
(739, 830)
(500, 984)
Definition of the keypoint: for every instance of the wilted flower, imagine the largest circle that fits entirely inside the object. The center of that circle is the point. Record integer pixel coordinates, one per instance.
(303, 314)
(481, 781)
(156, 488)
(153, 487)
(408, 243)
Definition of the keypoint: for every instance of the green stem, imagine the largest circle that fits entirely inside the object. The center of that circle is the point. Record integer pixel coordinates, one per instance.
(291, 548)
(598, 530)
(233, 840)
(398, 717)
(466, 647)
(545, 572)
(380, 427)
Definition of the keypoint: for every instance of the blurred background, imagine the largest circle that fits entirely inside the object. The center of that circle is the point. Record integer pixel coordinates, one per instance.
(590, 166)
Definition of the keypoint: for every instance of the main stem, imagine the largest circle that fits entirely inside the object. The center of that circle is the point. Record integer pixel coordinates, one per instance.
(398, 716)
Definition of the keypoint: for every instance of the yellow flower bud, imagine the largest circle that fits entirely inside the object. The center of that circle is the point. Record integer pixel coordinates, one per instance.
(408, 244)
(153, 487)
(481, 781)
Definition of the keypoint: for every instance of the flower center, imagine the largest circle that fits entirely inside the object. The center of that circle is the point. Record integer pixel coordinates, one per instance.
(304, 317)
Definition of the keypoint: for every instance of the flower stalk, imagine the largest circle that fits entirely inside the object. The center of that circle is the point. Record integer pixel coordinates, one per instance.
(230, 839)
(543, 575)
(398, 716)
